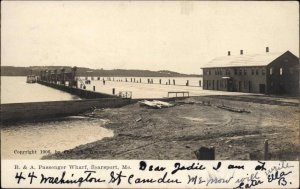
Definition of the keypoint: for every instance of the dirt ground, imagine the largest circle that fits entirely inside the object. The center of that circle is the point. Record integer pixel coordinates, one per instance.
(177, 132)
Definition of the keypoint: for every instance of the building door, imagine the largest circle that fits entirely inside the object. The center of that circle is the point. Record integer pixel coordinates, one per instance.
(229, 85)
(262, 88)
(281, 88)
(240, 86)
(249, 86)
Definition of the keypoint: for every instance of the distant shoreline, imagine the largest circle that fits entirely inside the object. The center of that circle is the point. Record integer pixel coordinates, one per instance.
(82, 71)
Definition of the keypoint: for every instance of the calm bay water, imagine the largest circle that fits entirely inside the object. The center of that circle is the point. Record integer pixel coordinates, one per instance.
(143, 89)
(58, 134)
(16, 90)
(47, 136)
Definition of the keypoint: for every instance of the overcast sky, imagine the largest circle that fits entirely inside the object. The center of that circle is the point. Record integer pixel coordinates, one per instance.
(172, 35)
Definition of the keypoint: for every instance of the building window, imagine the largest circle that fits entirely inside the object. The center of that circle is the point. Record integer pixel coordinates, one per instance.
(235, 71)
(245, 84)
(221, 73)
(263, 72)
(216, 72)
(240, 72)
(252, 71)
(227, 72)
(271, 71)
(245, 71)
(256, 71)
(209, 72)
(280, 71)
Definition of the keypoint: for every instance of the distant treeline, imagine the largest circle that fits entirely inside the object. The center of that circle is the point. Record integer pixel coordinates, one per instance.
(81, 71)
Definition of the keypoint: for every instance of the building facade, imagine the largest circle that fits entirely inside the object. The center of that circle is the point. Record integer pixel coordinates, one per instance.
(269, 73)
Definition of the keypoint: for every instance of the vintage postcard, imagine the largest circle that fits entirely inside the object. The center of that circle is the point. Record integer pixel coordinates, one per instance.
(150, 94)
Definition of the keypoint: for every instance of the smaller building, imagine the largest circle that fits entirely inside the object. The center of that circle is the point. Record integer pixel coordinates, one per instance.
(268, 73)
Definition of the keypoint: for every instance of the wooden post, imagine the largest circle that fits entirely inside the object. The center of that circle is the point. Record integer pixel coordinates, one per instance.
(266, 149)
(205, 153)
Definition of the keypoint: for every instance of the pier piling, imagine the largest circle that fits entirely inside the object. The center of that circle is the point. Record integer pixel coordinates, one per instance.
(205, 153)
(266, 149)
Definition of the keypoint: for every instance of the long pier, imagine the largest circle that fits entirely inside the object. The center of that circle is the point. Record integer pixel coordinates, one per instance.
(78, 92)
(64, 81)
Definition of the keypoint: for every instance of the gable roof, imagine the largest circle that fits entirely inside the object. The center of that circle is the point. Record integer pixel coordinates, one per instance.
(243, 60)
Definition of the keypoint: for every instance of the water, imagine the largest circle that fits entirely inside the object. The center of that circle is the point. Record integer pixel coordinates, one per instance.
(145, 90)
(67, 133)
(16, 90)
(59, 135)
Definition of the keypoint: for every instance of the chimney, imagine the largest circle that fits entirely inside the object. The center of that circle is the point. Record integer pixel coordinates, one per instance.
(228, 53)
(241, 52)
(267, 49)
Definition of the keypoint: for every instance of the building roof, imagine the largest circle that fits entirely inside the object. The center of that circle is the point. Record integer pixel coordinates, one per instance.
(243, 60)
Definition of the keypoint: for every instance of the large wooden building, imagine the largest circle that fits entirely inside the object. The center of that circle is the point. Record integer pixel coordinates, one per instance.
(268, 73)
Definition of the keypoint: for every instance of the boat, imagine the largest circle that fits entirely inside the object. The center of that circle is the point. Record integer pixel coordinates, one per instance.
(31, 79)
(156, 104)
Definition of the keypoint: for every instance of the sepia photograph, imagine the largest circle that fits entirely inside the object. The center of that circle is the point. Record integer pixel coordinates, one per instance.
(154, 80)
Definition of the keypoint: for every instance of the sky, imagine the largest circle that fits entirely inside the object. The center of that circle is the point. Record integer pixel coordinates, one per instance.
(153, 35)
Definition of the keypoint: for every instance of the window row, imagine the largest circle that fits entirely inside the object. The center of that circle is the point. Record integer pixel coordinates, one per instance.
(216, 84)
(236, 71)
(280, 71)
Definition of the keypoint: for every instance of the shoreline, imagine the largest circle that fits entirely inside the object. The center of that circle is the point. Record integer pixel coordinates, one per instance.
(177, 132)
